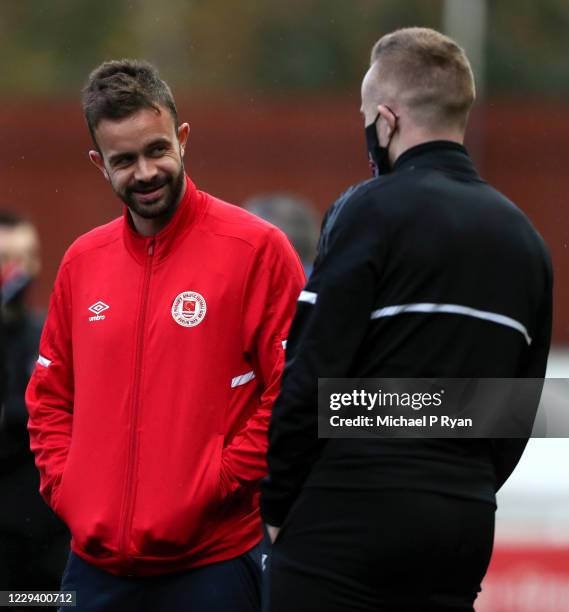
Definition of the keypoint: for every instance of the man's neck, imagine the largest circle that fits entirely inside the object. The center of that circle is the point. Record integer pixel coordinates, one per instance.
(150, 227)
(419, 137)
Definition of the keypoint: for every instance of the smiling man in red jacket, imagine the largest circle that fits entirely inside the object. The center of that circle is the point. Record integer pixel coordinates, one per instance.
(159, 364)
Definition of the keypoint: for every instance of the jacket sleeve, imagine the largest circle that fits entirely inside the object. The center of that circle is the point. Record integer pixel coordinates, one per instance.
(508, 451)
(274, 282)
(49, 396)
(331, 321)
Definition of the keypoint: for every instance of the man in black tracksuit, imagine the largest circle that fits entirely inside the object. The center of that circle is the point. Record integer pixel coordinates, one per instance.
(424, 271)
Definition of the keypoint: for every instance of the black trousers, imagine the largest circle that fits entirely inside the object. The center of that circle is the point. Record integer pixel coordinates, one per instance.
(233, 585)
(34, 543)
(357, 551)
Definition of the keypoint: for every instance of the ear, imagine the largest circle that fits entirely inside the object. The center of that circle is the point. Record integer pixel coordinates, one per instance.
(97, 159)
(390, 122)
(183, 133)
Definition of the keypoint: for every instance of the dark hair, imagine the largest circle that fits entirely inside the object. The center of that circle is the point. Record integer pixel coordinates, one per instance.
(11, 219)
(119, 88)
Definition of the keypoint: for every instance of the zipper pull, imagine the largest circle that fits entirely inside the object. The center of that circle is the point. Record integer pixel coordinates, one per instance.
(151, 248)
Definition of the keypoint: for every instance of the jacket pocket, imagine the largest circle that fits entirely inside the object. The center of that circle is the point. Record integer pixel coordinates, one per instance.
(172, 515)
(57, 493)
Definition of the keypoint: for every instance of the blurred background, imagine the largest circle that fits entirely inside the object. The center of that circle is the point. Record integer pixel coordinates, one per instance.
(271, 91)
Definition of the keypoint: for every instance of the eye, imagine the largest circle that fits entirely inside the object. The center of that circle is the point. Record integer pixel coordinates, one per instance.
(122, 162)
(158, 150)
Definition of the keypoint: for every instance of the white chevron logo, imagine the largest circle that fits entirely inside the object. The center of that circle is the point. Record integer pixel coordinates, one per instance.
(98, 307)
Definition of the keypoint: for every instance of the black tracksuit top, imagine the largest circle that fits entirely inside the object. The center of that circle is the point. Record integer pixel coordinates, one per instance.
(407, 265)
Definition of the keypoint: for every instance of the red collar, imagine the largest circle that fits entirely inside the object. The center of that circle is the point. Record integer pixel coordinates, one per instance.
(187, 214)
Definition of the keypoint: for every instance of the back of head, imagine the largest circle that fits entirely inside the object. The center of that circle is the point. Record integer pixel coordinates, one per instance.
(119, 88)
(294, 216)
(427, 73)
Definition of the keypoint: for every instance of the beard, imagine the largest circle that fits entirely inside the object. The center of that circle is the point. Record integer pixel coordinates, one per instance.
(168, 187)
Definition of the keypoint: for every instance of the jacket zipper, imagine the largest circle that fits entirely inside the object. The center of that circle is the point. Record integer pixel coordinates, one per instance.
(134, 412)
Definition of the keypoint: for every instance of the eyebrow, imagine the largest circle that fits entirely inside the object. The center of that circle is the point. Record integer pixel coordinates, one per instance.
(156, 142)
(116, 157)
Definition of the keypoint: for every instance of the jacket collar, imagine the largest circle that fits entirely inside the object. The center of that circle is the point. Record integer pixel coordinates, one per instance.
(187, 214)
(437, 153)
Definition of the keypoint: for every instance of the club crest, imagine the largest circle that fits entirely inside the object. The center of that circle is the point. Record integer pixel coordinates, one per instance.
(188, 309)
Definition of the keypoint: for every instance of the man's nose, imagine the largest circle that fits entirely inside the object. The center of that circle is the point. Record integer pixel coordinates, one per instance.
(145, 170)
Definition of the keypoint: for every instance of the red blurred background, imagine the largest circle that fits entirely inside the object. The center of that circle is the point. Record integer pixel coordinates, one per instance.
(313, 146)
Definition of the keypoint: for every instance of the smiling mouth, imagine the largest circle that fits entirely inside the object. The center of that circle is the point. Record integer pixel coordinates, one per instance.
(149, 196)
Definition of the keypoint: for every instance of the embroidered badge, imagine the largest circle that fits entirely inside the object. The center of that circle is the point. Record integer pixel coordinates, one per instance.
(188, 309)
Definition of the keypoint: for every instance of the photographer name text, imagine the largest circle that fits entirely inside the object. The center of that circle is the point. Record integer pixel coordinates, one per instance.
(400, 421)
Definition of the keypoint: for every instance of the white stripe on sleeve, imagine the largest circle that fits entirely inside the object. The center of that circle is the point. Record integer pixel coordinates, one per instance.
(494, 317)
(308, 296)
(43, 361)
(243, 379)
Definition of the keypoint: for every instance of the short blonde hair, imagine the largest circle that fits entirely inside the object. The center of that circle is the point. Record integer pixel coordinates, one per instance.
(428, 72)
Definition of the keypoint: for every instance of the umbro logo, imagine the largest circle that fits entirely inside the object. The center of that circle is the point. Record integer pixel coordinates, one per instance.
(97, 308)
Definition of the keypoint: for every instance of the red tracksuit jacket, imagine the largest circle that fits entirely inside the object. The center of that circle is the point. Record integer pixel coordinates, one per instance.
(159, 363)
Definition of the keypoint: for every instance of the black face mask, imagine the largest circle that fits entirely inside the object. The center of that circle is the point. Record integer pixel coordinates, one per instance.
(378, 155)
